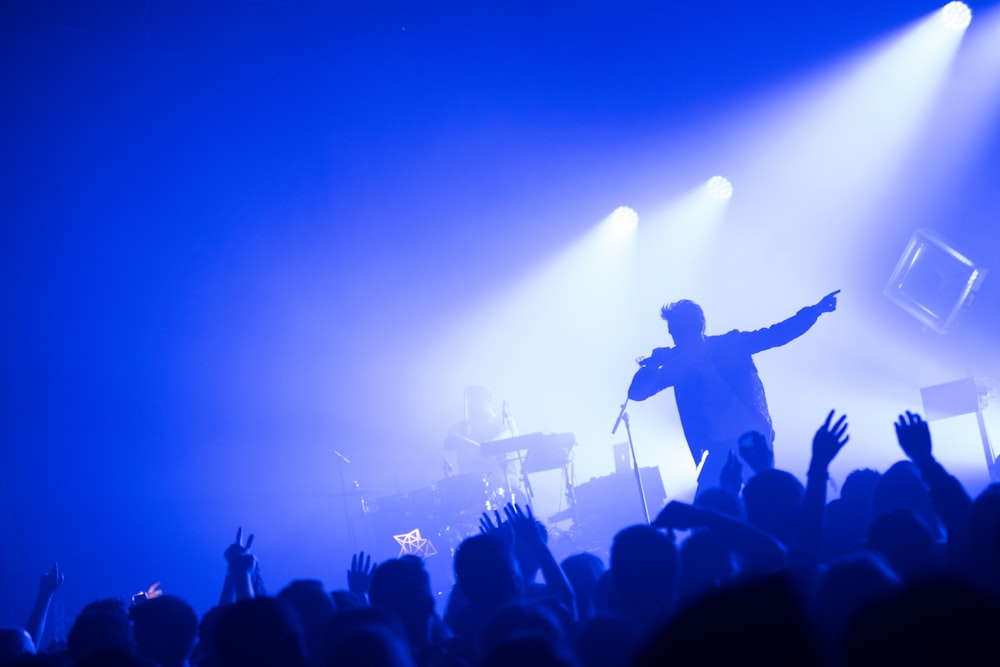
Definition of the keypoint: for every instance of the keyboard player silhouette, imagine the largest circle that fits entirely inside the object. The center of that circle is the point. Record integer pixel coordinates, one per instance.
(482, 424)
(486, 445)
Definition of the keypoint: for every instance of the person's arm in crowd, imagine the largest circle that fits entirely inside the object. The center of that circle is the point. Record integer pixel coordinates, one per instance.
(495, 525)
(47, 586)
(359, 576)
(731, 475)
(240, 568)
(759, 551)
(827, 443)
(951, 500)
(526, 532)
(756, 452)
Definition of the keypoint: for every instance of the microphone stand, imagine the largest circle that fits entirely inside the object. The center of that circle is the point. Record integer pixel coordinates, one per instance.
(341, 460)
(509, 423)
(623, 418)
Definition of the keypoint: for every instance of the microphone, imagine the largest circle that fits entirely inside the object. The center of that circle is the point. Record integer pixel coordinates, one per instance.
(508, 421)
(341, 457)
(621, 416)
(657, 357)
(448, 469)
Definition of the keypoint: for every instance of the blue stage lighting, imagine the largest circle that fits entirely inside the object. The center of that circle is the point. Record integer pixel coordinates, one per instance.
(956, 16)
(624, 218)
(719, 188)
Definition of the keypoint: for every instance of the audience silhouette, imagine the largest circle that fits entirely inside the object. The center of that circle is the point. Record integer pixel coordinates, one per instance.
(902, 568)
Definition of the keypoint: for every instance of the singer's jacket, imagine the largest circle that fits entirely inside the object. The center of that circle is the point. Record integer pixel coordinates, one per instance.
(731, 354)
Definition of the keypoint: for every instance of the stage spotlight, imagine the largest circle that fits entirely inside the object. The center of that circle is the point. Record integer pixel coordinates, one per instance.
(624, 218)
(956, 16)
(719, 188)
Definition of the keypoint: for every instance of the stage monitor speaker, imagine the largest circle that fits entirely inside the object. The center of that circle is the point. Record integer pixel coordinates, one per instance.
(605, 505)
(623, 458)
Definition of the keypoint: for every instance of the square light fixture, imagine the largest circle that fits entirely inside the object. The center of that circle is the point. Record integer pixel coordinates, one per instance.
(934, 282)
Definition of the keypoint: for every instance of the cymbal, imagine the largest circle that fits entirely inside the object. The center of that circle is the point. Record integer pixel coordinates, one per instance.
(355, 492)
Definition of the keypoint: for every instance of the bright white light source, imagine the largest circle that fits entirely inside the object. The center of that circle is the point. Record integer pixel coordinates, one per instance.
(719, 188)
(624, 218)
(956, 16)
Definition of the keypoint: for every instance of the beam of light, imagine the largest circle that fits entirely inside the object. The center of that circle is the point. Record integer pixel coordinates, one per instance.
(971, 111)
(818, 161)
(548, 341)
(675, 242)
(719, 188)
(873, 380)
(675, 254)
(560, 343)
(956, 16)
(813, 166)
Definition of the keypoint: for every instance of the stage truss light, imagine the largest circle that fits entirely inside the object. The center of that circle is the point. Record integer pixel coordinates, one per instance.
(956, 16)
(719, 188)
(624, 218)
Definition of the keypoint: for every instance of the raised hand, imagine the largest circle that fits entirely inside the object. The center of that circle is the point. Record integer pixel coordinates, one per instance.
(828, 441)
(495, 525)
(154, 591)
(238, 548)
(51, 581)
(527, 536)
(522, 523)
(755, 451)
(731, 475)
(238, 555)
(488, 524)
(914, 436)
(359, 577)
(48, 584)
(828, 303)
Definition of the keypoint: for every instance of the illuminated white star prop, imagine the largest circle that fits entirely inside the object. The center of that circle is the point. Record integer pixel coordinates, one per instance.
(411, 544)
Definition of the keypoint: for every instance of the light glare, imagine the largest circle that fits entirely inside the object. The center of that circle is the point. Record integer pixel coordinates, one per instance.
(956, 16)
(624, 218)
(719, 188)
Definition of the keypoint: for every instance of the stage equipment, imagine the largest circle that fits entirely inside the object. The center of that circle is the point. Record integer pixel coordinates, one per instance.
(956, 16)
(527, 442)
(463, 495)
(602, 505)
(719, 188)
(933, 282)
(345, 495)
(625, 218)
(413, 544)
(537, 453)
(623, 418)
(623, 460)
(962, 397)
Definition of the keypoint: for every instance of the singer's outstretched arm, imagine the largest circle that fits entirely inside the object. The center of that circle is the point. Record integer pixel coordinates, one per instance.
(649, 380)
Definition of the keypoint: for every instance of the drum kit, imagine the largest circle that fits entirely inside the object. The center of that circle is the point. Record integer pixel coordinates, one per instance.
(452, 507)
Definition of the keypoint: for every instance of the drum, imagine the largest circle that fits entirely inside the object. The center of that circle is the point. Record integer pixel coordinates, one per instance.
(401, 513)
(466, 494)
(424, 503)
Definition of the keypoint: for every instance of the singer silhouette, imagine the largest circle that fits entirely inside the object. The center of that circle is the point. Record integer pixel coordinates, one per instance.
(718, 390)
